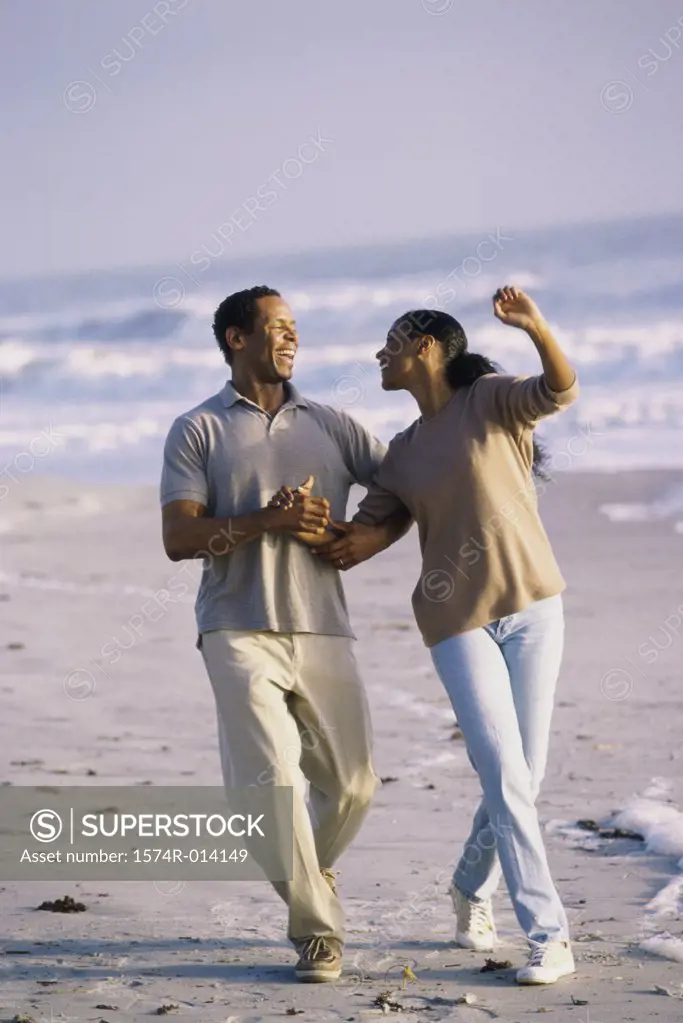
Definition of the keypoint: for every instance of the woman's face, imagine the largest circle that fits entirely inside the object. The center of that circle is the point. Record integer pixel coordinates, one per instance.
(397, 359)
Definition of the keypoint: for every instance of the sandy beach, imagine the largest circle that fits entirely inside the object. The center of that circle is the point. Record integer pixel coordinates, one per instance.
(81, 561)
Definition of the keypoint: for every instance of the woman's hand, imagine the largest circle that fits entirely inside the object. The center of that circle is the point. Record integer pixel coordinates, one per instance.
(357, 543)
(514, 308)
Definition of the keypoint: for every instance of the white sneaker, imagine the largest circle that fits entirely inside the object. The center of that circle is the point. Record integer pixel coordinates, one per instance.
(474, 928)
(547, 963)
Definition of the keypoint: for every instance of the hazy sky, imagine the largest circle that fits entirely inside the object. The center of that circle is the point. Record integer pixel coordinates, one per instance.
(134, 129)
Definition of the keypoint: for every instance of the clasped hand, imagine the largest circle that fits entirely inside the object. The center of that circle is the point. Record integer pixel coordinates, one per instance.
(300, 514)
(342, 544)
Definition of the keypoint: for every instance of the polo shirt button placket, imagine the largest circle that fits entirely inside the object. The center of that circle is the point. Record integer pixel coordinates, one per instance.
(273, 418)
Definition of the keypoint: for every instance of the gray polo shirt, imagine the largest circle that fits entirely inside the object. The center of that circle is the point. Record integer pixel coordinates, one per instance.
(231, 456)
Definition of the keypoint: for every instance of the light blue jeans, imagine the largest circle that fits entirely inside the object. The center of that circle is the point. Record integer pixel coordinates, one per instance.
(501, 681)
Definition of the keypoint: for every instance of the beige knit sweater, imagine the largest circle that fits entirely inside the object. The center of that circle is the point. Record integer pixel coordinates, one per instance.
(465, 476)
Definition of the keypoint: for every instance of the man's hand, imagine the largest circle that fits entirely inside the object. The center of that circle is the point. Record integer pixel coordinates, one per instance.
(285, 495)
(306, 515)
(357, 543)
(514, 308)
(288, 499)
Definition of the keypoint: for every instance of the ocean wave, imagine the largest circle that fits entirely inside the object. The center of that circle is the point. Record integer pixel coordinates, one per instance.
(637, 352)
(95, 356)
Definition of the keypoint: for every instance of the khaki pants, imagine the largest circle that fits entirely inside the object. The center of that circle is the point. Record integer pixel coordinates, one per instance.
(292, 708)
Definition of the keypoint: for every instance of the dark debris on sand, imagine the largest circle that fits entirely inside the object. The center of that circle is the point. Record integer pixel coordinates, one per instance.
(385, 1002)
(602, 832)
(64, 905)
(493, 964)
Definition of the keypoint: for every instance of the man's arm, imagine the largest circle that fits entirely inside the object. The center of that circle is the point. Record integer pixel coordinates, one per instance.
(188, 532)
(381, 519)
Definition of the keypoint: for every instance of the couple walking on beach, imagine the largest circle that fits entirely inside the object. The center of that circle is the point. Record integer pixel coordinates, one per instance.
(270, 470)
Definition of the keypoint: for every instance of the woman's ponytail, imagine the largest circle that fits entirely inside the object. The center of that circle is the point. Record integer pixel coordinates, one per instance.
(463, 369)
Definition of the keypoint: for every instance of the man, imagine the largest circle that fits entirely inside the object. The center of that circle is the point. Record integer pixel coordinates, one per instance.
(272, 620)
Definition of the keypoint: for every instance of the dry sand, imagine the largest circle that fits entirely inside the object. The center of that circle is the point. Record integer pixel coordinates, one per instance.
(80, 561)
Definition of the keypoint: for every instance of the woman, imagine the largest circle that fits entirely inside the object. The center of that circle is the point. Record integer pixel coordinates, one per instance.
(488, 601)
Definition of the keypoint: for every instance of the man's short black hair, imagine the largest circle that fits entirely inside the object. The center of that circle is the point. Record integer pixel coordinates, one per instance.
(238, 310)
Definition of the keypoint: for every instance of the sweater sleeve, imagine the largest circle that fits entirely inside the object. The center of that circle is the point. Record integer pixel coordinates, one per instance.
(377, 505)
(380, 501)
(523, 401)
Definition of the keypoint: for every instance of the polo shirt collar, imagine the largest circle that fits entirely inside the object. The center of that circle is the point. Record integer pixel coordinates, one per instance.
(229, 396)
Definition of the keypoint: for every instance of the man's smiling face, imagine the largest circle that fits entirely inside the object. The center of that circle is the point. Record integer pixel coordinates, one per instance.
(269, 350)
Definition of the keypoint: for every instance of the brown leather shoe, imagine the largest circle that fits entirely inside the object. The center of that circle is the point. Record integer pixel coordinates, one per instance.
(320, 960)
